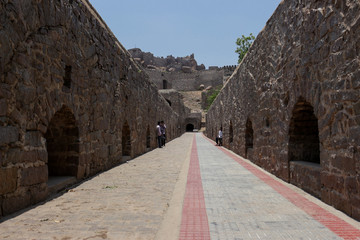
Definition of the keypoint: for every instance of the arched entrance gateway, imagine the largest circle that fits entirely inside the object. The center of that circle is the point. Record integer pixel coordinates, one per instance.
(62, 144)
(304, 149)
(304, 134)
(189, 127)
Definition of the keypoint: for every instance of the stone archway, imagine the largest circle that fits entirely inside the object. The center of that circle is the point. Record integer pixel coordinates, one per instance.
(249, 139)
(62, 141)
(126, 141)
(304, 149)
(189, 127)
(304, 134)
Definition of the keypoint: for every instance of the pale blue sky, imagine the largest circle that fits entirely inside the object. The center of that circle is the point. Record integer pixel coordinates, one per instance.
(208, 29)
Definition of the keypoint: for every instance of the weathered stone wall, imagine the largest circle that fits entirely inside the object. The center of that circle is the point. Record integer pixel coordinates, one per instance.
(292, 106)
(187, 81)
(70, 97)
(175, 100)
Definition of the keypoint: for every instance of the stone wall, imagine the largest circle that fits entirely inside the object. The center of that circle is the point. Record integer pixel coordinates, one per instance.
(181, 81)
(292, 106)
(193, 121)
(71, 99)
(175, 100)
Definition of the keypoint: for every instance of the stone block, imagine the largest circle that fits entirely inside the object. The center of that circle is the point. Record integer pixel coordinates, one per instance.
(42, 155)
(8, 180)
(26, 94)
(351, 185)
(340, 202)
(355, 213)
(186, 69)
(16, 155)
(33, 175)
(38, 193)
(306, 176)
(18, 117)
(344, 162)
(8, 134)
(345, 96)
(33, 138)
(81, 173)
(13, 204)
(3, 107)
(101, 124)
(332, 181)
(13, 156)
(325, 195)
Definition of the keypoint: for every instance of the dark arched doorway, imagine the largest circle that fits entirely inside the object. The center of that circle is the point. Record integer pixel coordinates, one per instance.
(189, 127)
(126, 141)
(249, 138)
(62, 143)
(169, 102)
(165, 84)
(304, 134)
(304, 149)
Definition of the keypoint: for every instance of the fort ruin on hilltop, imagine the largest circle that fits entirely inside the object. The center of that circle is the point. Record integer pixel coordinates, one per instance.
(183, 75)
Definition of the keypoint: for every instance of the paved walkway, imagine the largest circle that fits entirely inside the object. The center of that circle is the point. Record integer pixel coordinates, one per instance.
(244, 202)
(127, 202)
(190, 189)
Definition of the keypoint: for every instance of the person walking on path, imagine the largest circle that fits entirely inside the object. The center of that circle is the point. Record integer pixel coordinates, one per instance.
(163, 134)
(219, 137)
(159, 135)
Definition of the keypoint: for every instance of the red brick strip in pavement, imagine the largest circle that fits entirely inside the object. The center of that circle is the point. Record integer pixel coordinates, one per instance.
(329, 220)
(194, 222)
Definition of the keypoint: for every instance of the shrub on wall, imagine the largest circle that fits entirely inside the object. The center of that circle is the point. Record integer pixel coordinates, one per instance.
(213, 94)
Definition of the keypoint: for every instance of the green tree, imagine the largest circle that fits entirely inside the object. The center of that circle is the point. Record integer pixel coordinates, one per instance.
(244, 44)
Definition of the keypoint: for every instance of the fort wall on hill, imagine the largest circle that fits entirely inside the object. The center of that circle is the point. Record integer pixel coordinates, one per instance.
(191, 81)
(180, 73)
(293, 105)
(71, 99)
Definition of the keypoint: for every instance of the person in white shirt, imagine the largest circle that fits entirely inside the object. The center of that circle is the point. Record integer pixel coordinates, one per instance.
(159, 135)
(163, 133)
(220, 137)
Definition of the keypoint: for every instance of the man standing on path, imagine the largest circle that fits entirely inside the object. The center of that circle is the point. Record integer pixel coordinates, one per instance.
(158, 133)
(163, 134)
(220, 136)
